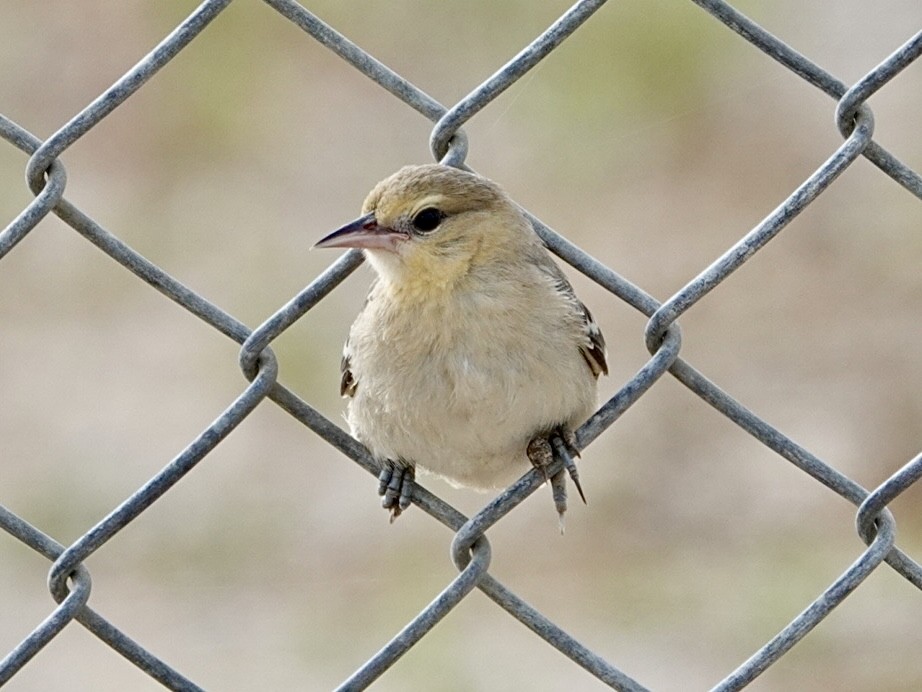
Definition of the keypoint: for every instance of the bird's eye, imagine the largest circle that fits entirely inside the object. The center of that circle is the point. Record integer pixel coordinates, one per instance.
(428, 219)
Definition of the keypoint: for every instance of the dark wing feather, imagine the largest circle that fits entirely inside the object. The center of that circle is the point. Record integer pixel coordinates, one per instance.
(347, 384)
(594, 351)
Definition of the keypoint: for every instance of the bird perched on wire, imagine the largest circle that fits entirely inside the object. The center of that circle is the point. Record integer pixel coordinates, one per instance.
(472, 351)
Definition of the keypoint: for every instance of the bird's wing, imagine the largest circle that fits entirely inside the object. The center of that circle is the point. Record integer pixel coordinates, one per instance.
(347, 384)
(593, 349)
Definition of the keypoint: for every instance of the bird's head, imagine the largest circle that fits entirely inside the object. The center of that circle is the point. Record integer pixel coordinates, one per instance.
(430, 224)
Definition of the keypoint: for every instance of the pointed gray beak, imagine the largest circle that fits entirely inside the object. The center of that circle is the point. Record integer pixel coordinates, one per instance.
(364, 233)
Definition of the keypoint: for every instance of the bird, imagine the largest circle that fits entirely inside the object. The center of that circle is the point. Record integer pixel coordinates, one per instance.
(472, 351)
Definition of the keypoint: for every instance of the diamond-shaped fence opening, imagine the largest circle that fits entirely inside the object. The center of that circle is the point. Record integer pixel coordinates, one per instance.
(697, 497)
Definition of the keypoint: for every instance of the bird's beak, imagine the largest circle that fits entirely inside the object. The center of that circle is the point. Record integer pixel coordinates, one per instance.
(364, 232)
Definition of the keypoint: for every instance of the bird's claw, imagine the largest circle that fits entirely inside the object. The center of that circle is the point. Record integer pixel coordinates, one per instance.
(559, 493)
(540, 452)
(395, 485)
(567, 440)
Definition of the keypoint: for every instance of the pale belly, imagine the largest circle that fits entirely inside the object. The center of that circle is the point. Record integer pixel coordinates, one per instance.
(469, 423)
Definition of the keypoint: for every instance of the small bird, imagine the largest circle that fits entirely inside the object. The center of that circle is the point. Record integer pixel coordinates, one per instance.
(472, 350)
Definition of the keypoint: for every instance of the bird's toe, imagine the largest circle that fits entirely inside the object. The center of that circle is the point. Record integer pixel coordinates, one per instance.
(395, 485)
(540, 452)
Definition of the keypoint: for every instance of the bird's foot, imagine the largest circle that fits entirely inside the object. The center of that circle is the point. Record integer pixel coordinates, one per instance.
(568, 442)
(540, 452)
(395, 485)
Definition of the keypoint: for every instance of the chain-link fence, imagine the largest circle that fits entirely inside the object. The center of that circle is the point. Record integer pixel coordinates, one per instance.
(69, 579)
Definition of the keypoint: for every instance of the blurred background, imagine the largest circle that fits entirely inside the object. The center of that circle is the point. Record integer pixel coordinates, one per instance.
(654, 138)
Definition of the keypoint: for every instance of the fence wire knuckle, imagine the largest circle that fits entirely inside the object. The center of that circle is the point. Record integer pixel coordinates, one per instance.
(69, 580)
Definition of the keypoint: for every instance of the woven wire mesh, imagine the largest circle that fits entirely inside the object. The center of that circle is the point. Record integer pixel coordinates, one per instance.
(69, 577)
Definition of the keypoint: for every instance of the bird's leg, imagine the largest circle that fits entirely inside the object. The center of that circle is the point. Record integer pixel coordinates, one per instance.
(570, 452)
(540, 452)
(395, 485)
(541, 455)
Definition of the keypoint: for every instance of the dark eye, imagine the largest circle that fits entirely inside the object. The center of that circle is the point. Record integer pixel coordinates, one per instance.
(428, 219)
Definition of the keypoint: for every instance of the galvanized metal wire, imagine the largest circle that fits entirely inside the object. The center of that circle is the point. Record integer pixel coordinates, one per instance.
(69, 581)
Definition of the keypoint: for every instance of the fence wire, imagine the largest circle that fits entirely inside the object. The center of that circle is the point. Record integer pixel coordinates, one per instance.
(69, 580)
